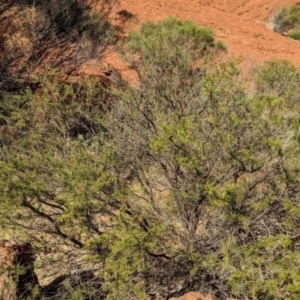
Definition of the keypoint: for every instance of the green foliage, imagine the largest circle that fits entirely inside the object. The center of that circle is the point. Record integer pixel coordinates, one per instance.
(127, 262)
(57, 168)
(189, 180)
(295, 33)
(171, 43)
(279, 78)
(286, 19)
(223, 151)
(268, 269)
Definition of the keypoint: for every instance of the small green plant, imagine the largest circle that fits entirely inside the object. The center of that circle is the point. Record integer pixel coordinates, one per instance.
(286, 19)
(295, 33)
(277, 77)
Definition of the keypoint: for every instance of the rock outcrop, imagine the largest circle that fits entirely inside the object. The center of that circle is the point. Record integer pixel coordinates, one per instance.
(192, 296)
(195, 296)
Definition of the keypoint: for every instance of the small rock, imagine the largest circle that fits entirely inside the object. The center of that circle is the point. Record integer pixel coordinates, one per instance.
(193, 296)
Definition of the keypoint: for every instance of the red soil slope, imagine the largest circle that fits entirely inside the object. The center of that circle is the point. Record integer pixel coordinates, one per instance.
(253, 9)
(240, 24)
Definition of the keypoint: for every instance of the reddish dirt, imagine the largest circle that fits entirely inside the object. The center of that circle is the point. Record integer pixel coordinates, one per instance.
(240, 24)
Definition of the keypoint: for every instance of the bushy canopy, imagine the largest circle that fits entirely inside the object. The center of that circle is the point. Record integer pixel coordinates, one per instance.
(189, 180)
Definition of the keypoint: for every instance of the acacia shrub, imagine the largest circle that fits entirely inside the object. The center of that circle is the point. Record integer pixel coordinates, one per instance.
(166, 38)
(74, 189)
(265, 265)
(277, 77)
(189, 180)
(55, 172)
(213, 162)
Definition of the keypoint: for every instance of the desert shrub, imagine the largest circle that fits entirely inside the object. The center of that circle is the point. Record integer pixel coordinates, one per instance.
(79, 187)
(188, 180)
(277, 77)
(58, 126)
(267, 269)
(37, 35)
(285, 19)
(277, 21)
(166, 38)
(295, 33)
(223, 157)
